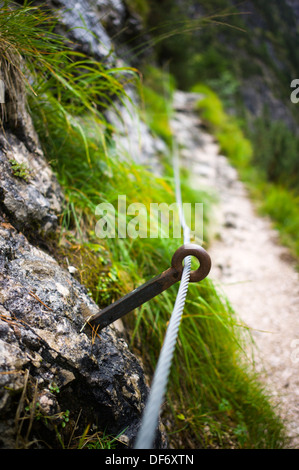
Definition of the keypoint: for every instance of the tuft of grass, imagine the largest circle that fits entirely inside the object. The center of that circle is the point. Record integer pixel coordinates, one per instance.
(282, 205)
(46, 66)
(98, 440)
(156, 90)
(275, 150)
(226, 128)
(217, 370)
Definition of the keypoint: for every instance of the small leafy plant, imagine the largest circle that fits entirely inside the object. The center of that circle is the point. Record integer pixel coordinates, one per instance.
(54, 388)
(20, 170)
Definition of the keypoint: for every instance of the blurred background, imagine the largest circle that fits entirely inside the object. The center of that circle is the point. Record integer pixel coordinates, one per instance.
(247, 55)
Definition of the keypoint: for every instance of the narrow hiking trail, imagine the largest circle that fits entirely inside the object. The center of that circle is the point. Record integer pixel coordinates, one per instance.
(249, 265)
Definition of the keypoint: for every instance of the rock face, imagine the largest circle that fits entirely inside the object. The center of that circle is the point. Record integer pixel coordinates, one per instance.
(58, 378)
(42, 314)
(29, 192)
(91, 25)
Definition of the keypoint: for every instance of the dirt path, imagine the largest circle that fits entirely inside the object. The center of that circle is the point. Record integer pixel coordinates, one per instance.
(252, 269)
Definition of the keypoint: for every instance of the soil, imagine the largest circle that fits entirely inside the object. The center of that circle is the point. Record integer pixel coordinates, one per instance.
(253, 270)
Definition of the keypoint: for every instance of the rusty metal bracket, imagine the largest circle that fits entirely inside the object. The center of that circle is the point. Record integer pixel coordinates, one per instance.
(155, 286)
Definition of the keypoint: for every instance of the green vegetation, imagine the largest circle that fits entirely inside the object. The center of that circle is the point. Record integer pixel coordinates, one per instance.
(67, 80)
(214, 396)
(224, 46)
(282, 205)
(274, 181)
(276, 151)
(226, 128)
(20, 170)
(140, 7)
(210, 365)
(98, 440)
(157, 90)
(220, 36)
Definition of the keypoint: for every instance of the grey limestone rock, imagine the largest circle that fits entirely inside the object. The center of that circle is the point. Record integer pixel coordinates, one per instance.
(29, 191)
(44, 344)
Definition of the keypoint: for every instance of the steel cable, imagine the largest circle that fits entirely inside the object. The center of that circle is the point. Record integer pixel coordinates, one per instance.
(150, 419)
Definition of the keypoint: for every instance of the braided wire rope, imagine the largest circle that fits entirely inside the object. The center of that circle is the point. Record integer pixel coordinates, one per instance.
(150, 418)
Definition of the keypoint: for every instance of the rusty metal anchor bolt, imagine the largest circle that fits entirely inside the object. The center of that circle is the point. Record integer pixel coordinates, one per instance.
(156, 285)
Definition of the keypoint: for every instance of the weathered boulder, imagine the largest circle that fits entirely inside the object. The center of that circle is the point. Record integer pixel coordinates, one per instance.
(45, 348)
